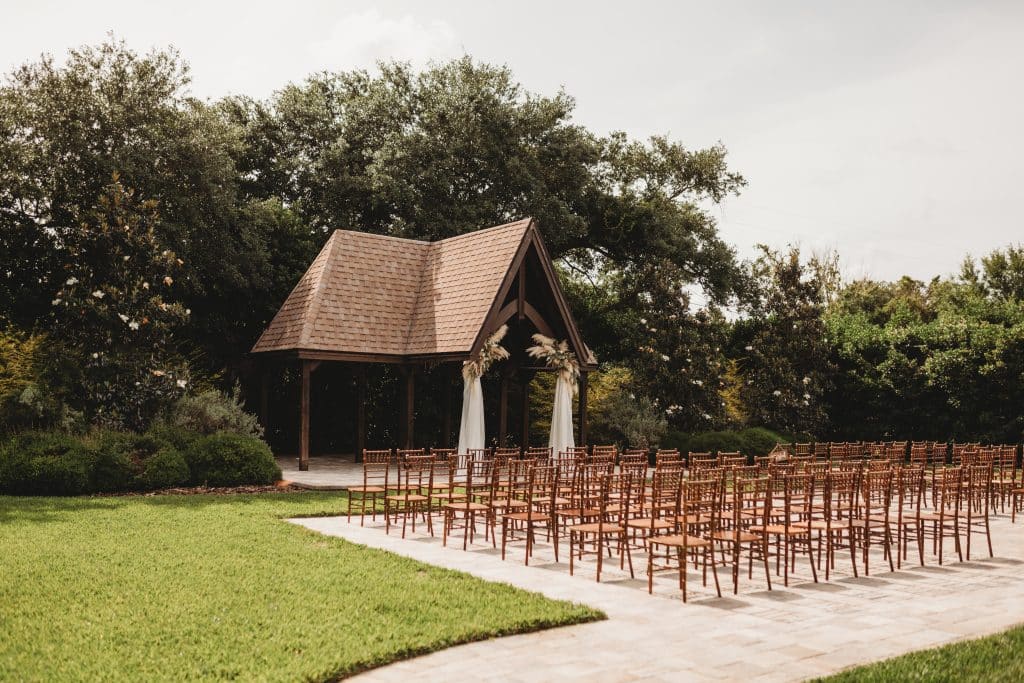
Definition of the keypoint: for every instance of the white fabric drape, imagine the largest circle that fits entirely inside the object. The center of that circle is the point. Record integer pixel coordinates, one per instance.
(561, 418)
(471, 428)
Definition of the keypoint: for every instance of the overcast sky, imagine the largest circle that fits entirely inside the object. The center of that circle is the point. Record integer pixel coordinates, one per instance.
(888, 131)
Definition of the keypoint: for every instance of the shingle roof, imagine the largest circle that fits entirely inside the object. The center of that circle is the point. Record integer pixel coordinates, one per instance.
(372, 294)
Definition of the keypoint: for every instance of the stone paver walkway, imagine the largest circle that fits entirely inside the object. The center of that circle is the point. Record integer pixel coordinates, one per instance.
(787, 634)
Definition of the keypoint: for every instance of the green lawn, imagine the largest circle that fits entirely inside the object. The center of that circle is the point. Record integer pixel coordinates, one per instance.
(176, 587)
(995, 659)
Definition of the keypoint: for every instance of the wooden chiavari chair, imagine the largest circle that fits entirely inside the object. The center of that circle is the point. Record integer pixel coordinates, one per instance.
(536, 506)
(413, 496)
(477, 479)
(606, 526)
(945, 517)
(542, 454)
(660, 507)
(790, 524)
(731, 459)
(838, 514)
(908, 495)
(696, 525)
(749, 506)
(979, 503)
(875, 498)
(376, 471)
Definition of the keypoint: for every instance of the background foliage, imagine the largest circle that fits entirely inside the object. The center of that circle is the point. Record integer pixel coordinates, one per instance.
(193, 219)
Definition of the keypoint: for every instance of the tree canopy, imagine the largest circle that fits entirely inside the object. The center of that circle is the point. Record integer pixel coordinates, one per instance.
(105, 155)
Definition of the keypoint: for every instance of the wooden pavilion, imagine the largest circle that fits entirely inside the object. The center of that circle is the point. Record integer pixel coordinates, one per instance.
(370, 299)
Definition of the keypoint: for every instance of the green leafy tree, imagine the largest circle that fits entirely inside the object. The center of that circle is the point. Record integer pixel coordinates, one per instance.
(66, 128)
(115, 313)
(461, 145)
(780, 346)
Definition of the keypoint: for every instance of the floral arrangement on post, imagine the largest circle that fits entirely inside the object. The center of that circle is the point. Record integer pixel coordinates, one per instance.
(492, 351)
(558, 356)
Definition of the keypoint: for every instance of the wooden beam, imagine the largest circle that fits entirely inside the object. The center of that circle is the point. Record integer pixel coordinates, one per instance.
(304, 417)
(360, 412)
(583, 408)
(503, 411)
(531, 313)
(521, 299)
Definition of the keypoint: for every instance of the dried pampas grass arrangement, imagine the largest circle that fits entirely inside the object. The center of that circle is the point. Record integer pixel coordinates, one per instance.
(492, 351)
(558, 356)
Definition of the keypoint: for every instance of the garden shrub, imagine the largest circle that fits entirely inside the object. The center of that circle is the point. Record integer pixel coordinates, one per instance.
(226, 459)
(110, 469)
(751, 442)
(165, 469)
(212, 411)
(54, 463)
(760, 441)
(43, 463)
(179, 438)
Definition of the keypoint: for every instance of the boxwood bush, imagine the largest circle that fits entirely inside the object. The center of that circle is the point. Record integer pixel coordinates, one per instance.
(225, 459)
(750, 442)
(52, 463)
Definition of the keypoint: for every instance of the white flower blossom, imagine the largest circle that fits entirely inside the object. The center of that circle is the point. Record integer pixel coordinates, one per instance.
(145, 285)
(133, 325)
(126, 257)
(652, 329)
(807, 380)
(706, 416)
(698, 382)
(168, 280)
(181, 383)
(664, 357)
(55, 301)
(748, 347)
(188, 311)
(98, 294)
(807, 397)
(776, 393)
(71, 281)
(643, 321)
(123, 317)
(95, 355)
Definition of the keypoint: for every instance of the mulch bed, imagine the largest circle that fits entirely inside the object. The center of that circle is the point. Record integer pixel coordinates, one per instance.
(280, 487)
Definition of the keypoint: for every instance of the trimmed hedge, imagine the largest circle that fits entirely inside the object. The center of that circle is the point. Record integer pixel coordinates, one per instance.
(225, 459)
(50, 463)
(750, 442)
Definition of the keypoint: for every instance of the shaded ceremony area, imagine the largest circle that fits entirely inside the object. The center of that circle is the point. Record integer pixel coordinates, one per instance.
(422, 309)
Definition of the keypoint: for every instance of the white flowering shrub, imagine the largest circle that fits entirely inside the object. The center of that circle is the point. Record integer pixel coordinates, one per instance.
(114, 314)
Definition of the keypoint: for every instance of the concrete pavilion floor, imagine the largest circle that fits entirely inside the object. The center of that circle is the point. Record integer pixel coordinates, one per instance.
(326, 472)
(787, 634)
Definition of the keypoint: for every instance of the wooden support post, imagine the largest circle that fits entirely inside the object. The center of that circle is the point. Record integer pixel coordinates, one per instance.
(265, 401)
(503, 411)
(409, 414)
(446, 434)
(525, 425)
(360, 412)
(307, 368)
(583, 408)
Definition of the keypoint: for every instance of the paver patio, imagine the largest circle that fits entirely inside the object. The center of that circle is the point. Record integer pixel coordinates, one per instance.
(787, 634)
